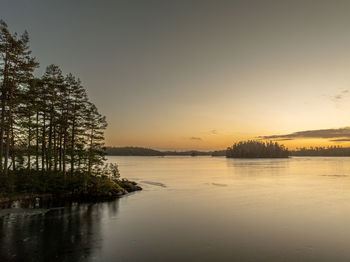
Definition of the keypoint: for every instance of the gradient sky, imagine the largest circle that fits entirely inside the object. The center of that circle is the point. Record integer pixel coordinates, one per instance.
(200, 74)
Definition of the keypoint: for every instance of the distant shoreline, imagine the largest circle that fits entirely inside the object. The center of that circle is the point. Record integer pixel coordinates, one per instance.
(141, 151)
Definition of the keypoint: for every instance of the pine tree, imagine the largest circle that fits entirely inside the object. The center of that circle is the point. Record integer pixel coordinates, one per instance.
(18, 67)
(53, 84)
(46, 123)
(95, 126)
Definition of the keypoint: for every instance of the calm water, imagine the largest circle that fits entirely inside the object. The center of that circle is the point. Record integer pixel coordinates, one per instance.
(199, 209)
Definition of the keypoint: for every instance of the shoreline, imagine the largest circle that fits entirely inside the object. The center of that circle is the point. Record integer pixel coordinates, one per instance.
(36, 200)
(97, 189)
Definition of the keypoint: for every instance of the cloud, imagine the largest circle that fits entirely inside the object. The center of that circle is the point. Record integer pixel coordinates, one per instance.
(283, 139)
(274, 138)
(214, 132)
(340, 133)
(196, 138)
(340, 140)
(340, 96)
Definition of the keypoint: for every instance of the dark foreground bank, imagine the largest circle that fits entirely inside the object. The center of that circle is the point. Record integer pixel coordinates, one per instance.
(38, 186)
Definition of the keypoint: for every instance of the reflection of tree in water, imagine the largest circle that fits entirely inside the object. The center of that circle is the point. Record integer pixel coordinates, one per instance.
(67, 234)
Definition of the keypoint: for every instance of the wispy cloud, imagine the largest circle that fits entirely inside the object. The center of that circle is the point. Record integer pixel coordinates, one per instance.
(337, 133)
(340, 96)
(282, 139)
(213, 132)
(340, 140)
(196, 138)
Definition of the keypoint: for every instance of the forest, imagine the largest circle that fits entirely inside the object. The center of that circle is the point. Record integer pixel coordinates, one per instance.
(141, 151)
(245, 149)
(322, 151)
(50, 132)
(132, 151)
(257, 149)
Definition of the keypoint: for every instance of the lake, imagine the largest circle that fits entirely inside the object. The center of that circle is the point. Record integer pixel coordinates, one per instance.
(199, 209)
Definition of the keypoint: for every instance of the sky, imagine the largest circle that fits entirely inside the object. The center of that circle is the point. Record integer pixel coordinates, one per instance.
(201, 74)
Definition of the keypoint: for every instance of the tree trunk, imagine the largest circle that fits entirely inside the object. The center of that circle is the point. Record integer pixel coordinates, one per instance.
(3, 109)
(29, 139)
(90, 152)
(43, 145)
(37, 141)
(55, 147)
(64, 153)
(72, 147)
(8, 130)
(60, 150)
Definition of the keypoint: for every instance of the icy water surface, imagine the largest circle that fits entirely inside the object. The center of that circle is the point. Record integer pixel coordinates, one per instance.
(198, 209)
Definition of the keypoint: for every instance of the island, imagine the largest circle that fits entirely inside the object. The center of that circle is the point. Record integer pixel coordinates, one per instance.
(257, 149)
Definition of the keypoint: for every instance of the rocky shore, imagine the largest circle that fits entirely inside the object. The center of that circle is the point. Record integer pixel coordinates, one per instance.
(112, 190)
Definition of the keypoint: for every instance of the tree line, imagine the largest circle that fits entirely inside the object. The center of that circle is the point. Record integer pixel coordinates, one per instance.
(141, 151)
(322, 151)
(257, 149)
(47, 123)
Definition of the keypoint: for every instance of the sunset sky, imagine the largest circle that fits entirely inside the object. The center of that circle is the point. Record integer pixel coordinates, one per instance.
(201, 74)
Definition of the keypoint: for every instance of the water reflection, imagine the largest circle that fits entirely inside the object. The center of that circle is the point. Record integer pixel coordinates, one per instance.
(208, 209)
(253, 167)
(71, 233)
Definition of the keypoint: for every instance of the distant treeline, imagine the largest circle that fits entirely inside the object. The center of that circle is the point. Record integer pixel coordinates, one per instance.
(245, 149)
(257, 149)
(218, 153)
(322, 151)
(132, 151)
(140, 151)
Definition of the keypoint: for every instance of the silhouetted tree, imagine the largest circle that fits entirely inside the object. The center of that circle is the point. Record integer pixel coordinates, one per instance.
(322, 151)
(257, 149)
(46, 123)
(17, 68)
